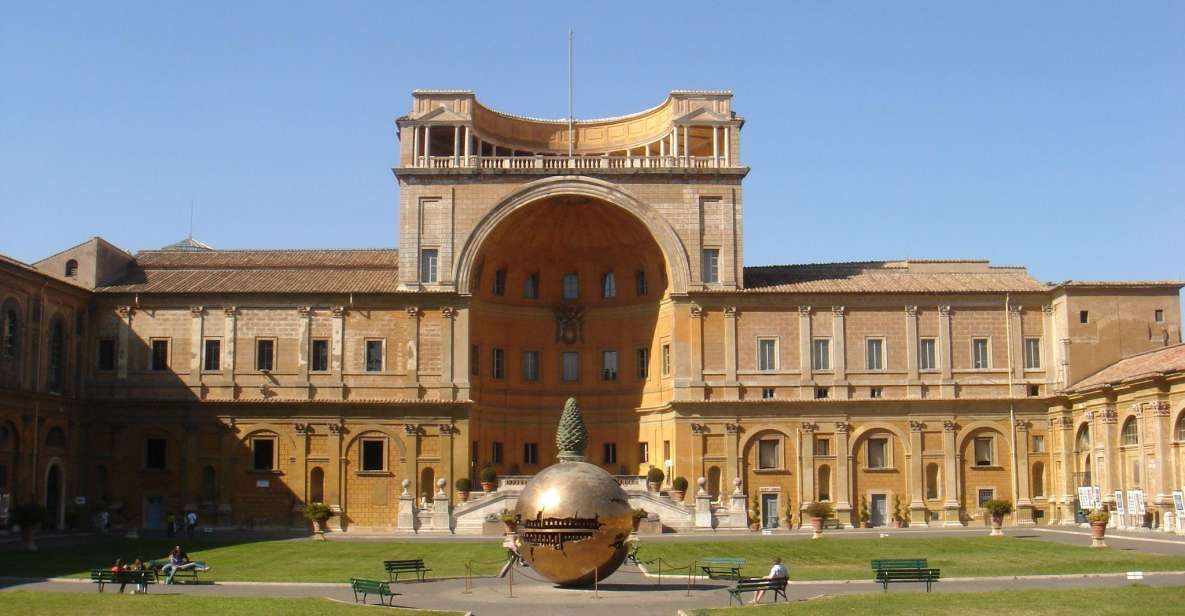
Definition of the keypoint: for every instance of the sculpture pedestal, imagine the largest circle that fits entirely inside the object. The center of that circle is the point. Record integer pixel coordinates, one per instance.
(703, 511)
(406, 518)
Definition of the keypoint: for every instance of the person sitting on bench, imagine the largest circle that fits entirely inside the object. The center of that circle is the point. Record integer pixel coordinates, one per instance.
(777, 572)
(117, 569)
(139, 568)
(178, 560)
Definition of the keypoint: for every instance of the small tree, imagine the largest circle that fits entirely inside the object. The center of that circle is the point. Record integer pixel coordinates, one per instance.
(819, 509)
(897, 515)
(463, 484)
(998, 508)
(655, 475)
(318, 514)
(1099, 515)
(489, 477)
(862, 512)
(755, 512)
(679, 484)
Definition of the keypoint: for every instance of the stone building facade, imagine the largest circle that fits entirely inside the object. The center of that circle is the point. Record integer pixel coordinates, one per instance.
(601, 260)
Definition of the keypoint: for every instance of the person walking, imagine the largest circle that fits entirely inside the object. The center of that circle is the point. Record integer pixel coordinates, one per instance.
(170, 524)
(191, 522)
(777, 572)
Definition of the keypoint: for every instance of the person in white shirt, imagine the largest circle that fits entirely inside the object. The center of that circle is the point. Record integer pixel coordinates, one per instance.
(777, 572)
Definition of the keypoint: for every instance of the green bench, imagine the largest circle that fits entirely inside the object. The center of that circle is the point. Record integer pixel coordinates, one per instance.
(722, 568)
(414, 566)
(372, 587)
(190, 571)
(776, 585)
(891, 571)
(102, 577)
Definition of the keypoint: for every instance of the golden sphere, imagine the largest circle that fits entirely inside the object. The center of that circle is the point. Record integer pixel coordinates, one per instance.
(573, 520)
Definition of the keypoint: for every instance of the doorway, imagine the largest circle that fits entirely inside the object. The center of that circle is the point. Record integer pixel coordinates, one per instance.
(154, 512)
(880, 509)
(769, 511)
(54, 496)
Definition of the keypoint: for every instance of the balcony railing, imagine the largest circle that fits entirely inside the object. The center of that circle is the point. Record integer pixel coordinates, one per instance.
(576, 162)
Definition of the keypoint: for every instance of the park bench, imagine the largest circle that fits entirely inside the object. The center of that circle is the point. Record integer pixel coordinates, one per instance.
(893, 570)
(776, 585)
(372, 587)
(722, 568)
(190, 572)
(102, 577)
(414, 566)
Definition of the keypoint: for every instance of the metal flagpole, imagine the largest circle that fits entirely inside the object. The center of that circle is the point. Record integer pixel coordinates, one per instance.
(571, 130)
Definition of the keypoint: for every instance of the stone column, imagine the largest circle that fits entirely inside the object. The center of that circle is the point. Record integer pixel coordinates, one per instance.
(1062, 429)
(697, 449)
(447, 467)
(1159, 432)
(447, 353)
(843, 469)
(917, 503)
(806, 376)
(913, 379)
(732, 447)
(461, 366)
(695, 351)
(125, 331)
(230, 465)
(947, 383)
(732, 387)
(806, 474)
(1024, 499)
(298, 471)
(1047, 347)
(951, 464)
(335, 492)
(840, 367)
(1110, 471)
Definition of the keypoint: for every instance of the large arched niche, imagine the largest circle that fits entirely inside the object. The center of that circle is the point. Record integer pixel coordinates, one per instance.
(678, 272)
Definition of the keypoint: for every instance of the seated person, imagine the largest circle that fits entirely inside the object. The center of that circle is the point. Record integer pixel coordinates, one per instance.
(178, 560)
(117, 569)
(139, 567)
(777, 572)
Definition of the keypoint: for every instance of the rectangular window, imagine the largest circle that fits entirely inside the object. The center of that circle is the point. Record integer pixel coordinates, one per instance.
(927, 358)
(1038, 443)
(666, 452)
(666, 360)
(610, 453)
(320, 356)
(212, 355)
(767, 454)
(428, 260)
(1034, 391)
(531, 366)
(265, 351)
(155, 454)
(530, 453)
(373, 456)
(985, 495)
(374, 355)
(767, 354)
(768, 393)
(878, 453)
(1032, 353)
(571, 366)
(571, 286)
(1084, 316)
(1158, 316)
(642, 362)
(531, 286)
(160, 355)
(641, 287)
(822, 446)
(498, 364)
(821, 354)
(643, 452)
(474, 360)
(876, 392)
(263, 454)
(983, 451)
(608, 285)
(711, 265)
(874, 353)
(980, 360)
(496, 452)
(106, 359)
(821, 393)
(609, 365)
(500, 282)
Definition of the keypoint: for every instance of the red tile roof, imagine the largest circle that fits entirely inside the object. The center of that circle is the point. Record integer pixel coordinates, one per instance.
(260, 271)
(1168, 359)
(891, 277)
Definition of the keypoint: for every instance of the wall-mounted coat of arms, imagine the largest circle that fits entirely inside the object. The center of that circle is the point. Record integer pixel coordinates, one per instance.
(569, 324)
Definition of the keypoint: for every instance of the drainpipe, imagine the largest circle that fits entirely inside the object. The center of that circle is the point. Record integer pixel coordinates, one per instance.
(1011, 406)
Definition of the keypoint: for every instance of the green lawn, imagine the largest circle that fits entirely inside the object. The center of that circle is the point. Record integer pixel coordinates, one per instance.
(94, 604)
(300, 560)
(1143, 600)
(837, 559)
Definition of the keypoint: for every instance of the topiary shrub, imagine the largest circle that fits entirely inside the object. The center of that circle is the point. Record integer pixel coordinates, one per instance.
(679, 484)
(655, 475)
(463, 484)
(998, 508)
(818, 509)
(489, 475)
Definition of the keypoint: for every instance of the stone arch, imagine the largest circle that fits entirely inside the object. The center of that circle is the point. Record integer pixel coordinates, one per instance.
(1132, 425)
(1179, 427)
(427, 482)
(55, 438)
(317, 485)
(823, 483)
(933, 481)
(397, 442)
(969, 430)
(859, 433)
(662, 231)
(1083, 430)
(55, 492)
(284, 442)
(713, 481)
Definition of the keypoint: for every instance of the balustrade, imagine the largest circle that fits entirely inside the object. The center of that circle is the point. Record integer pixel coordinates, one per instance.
(564, 162)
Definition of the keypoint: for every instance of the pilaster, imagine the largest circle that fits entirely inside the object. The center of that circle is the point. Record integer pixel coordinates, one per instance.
(125, 329)
(917, 503)
(1024, 499)
(413, 351)
(302, 349)
(194, 378)
(839, 366)
(947, 384)
(806, 377)
(806, 475)
(732, 388)
(448, 316)
(338, 340)
(950, 506)
(843, 470)
(732, 447)
(913, 385)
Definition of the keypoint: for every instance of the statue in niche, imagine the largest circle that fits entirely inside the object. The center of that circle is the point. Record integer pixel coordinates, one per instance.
(569, 324)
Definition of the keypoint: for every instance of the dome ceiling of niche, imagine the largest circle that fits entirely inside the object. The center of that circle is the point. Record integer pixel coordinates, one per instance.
(571, 224)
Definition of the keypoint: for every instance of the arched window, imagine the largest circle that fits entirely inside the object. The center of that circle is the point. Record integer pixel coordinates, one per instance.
(1181, 427)
(316, 485)
(824, 485)
(71, 268)
(1131, 434)
(11, 330)
(57, 356)
(1039, 479)
(714, 482)
(1082, 441)
(932, 481)
(55, 438)
(427, 478)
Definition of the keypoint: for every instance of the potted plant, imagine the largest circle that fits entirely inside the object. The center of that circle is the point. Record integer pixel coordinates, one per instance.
(898, 518)
(463, 486)
(789, 514)
(509, 519)
(678, 489)
(489, 477)
(318, 513)
(997, 509)
(818, 512)
(755, 515)
(639, 514)
(654, 478)
(863, 515)
(1098, 526)
(29, 516)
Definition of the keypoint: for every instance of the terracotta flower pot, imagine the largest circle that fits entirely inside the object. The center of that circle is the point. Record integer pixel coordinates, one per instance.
(997, 524)
(654, 486)
(1098, 530)
(817, 524)
(487, 487)
(464, 496)
(677, 495)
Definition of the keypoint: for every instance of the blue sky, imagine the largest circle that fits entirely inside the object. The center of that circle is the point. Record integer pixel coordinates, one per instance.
(1045, 134)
